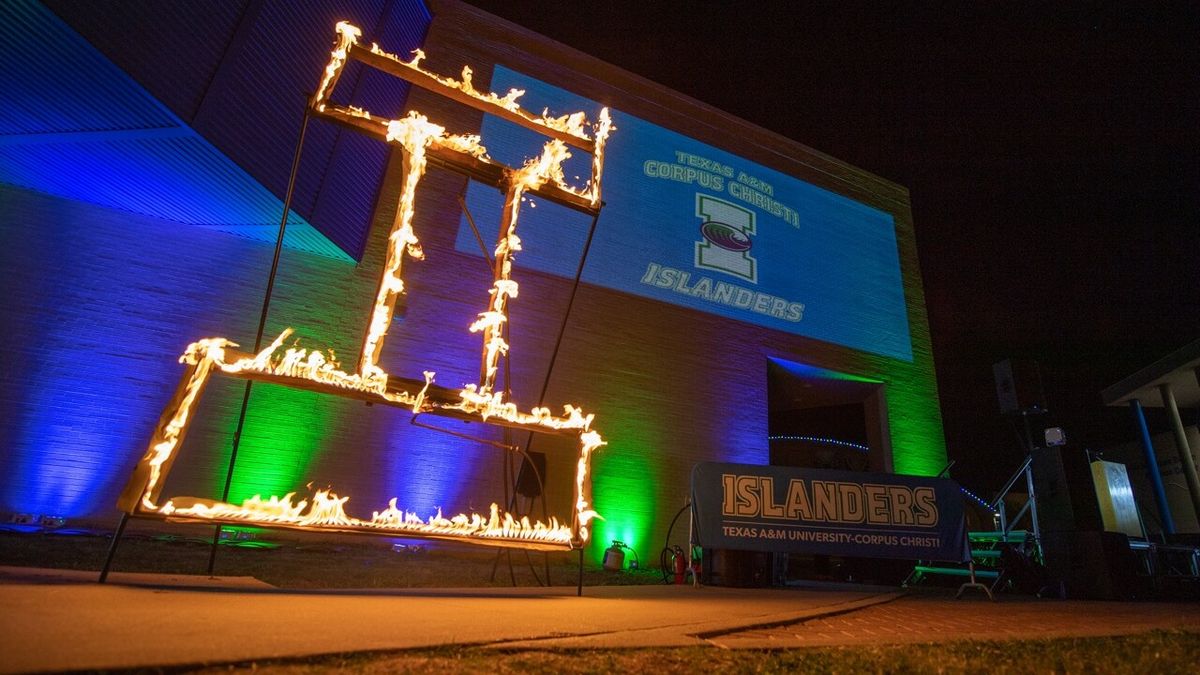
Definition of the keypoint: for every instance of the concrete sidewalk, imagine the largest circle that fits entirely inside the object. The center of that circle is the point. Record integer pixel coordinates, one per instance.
(56, 620)
(59, 619)
(926, 618)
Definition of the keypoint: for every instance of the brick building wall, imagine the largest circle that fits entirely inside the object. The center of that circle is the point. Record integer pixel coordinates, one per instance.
(99, 304)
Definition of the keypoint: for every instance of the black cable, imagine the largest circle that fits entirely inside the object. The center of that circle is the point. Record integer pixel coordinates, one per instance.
(637, 563)
(662, 558)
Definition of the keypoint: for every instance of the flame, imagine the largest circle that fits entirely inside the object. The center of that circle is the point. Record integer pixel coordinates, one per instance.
(604, 128)
(299, 363)
(589, 441)
(535, 173)
(327, 510)
(166, 440)
(492, 404)
(347, 35)
(415, 134)
(574, 124)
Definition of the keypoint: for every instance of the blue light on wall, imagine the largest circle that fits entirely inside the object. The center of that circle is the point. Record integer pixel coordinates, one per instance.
(88, 294)
(76, 126)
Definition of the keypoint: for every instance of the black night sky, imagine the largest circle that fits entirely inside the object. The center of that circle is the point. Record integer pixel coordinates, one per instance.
(1052, 152)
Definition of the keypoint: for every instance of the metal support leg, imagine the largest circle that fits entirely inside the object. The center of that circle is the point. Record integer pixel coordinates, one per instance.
(1032, 504)
(974, 584)
(262, 325)
(692, 546)
(579, 589)
(1181, 444)
(112, 548)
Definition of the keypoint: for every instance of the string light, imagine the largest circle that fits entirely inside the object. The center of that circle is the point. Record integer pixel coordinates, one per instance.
(817, 439)
(862, 448)
(977, 499)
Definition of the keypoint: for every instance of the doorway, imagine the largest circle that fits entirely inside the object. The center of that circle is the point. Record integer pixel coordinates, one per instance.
(823, 419)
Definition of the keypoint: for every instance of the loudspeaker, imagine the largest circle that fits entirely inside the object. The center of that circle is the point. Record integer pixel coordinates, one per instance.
(1066, 494)
(1094, 565)
(1019, 386)
(527, 478)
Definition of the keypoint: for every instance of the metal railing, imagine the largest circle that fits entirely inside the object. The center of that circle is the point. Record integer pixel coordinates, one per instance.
(1005, 524)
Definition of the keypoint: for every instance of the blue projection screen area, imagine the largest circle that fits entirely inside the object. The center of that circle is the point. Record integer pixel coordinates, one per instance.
(692, 225)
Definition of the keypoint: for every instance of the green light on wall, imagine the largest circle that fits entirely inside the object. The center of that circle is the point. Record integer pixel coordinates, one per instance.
(915, 420)
(623, 487)
(918, 446)
(285, 429)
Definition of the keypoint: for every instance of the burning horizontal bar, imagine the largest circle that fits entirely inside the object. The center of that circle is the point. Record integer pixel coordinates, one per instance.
(439, 400)
(505, 108)
(325, 512)
(300, 368)
(477, 168)
(495, 542)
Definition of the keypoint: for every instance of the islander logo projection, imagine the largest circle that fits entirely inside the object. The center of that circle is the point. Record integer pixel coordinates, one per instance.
(726, 233)
(694, 225)
(726, 230)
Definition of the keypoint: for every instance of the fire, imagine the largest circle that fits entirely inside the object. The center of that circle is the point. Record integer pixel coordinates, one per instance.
(296, 362)
(168, 436)
(533, 175)
(602, 131)
(590, 441)
(294, 365)
(414, 134)
(347, 35)
(327, 510)
(574, 124)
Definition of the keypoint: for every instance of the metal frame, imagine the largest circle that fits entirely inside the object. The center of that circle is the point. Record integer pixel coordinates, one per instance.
(142, 495)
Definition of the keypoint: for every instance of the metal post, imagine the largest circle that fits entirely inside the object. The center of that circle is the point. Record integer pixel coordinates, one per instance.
(562, 326)
(1160, 495)
(262, 325)
(1181, 443)
(112, 548)
(692, 546)
(1032, 503)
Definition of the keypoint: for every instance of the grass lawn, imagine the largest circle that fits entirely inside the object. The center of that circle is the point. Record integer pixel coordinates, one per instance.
(1146, 654)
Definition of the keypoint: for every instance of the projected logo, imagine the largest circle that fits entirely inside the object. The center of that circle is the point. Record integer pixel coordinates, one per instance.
(725, 245)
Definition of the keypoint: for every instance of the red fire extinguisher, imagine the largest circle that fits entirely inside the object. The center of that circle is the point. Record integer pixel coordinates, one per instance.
(680, 566)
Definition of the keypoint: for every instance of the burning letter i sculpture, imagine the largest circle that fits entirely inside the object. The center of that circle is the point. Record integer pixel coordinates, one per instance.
(294, 366)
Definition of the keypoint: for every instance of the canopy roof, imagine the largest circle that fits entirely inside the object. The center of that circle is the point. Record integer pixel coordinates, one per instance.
(1180, 369)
